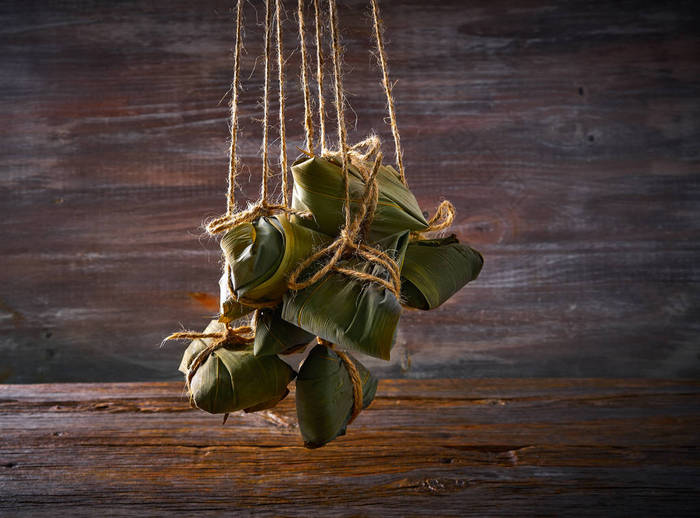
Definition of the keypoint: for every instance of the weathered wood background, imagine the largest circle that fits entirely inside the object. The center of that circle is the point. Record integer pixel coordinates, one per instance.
(566, 133)
(523, 447)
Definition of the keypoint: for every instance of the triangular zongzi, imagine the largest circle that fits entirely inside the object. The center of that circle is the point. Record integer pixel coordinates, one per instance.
(319, 187)
(435, 269)
(324, 395)
(262, 253)
(234, 379)
(351, 312)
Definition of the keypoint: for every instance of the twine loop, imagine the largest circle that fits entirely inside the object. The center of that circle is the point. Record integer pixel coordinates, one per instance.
(252, 213)
(443, 218)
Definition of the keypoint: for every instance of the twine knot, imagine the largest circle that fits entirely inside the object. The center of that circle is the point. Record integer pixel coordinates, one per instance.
(230, 337)
(349, 239)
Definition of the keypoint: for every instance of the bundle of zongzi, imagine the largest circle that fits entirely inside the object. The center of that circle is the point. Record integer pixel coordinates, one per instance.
(234, 379)
(325, 395)
(337, 264)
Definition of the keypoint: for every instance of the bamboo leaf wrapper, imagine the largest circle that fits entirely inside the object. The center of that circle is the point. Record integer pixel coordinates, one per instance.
(324, 395)
(231, 380)
(262, 253)
(274, 335)
(319, 188)
(351, 312)
(435, 269)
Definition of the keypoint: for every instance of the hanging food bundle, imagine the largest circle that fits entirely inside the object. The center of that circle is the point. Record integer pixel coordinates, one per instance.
(329, 271)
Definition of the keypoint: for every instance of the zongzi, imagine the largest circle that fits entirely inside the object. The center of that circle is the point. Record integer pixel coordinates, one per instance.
(262, 253)
(324, 395)
(234, 379)
(276, 336)
(435, 269)
(351, 312)
(319, 187)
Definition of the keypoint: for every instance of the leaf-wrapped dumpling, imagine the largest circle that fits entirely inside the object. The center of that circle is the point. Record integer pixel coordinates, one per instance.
(231, 380)
(435, 269)
(351, 312)
(324, 395)
(319, 187)
(262, 253)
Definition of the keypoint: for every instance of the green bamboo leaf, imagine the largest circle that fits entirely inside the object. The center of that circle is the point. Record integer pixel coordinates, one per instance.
(324, 395)
(230, 308)
(435, 269)
(350, 312)
(319, 188)
(264, 252)
(274, 335)
(231, 380)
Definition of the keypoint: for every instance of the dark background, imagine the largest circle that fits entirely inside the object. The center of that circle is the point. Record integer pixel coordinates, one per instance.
(567, 134)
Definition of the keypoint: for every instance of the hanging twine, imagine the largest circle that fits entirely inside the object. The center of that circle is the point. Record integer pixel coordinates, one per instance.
(319, 80)
(280, 77)
(231, 337)
(445, 213)
(348, 240)
(355, 378)
(262, 207)
(235, 86)
(381, 57)
(308, 120)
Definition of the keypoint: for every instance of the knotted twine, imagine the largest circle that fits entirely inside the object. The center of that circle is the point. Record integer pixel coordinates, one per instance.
(241, 336)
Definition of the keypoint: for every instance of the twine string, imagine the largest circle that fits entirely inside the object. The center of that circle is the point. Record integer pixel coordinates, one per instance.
(308, 118)
(266, 106)
(319, 80)
(340, 105)
(235, 87)
(443, 218)
(381, 57)
(280, 77)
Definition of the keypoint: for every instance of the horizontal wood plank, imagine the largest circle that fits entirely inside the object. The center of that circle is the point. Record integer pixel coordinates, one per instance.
(490, 447)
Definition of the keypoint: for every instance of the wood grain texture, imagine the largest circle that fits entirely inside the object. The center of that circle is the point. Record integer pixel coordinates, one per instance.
(566, 133)
(546, 447)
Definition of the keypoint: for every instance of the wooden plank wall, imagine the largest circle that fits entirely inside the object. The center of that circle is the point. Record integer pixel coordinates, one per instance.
(566, 133)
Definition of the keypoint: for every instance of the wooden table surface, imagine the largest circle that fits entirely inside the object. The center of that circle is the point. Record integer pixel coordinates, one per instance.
(547, 447)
